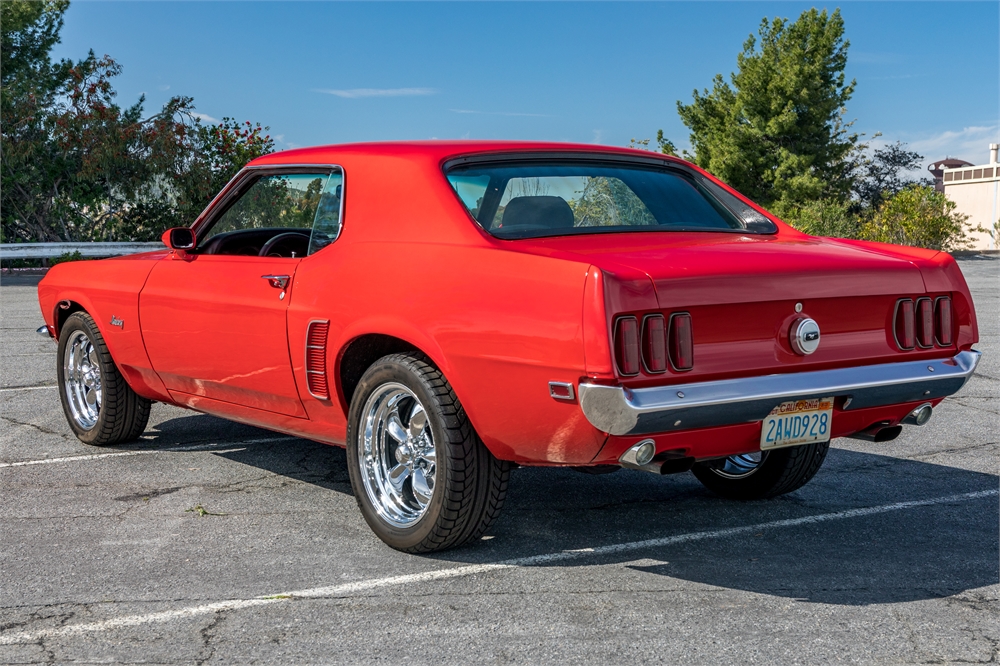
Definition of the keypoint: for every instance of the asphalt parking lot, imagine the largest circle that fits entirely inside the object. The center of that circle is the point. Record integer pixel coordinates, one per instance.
(212, 542)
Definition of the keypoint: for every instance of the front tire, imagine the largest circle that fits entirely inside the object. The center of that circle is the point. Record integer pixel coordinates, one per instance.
(101, 408)
(423, 479)
(762, 475)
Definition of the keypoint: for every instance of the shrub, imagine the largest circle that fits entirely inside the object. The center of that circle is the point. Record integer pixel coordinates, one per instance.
(920, 217)
(825, 217)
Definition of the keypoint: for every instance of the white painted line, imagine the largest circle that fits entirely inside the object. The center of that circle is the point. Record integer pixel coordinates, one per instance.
(344, 589)
(26, 388)
(119, 454)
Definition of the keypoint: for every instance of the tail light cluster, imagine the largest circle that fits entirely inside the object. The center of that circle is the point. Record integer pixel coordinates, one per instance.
(923, 323)
(654, 344)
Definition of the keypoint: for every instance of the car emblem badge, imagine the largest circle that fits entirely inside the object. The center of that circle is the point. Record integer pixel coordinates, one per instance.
(804, 336)
(115, 321)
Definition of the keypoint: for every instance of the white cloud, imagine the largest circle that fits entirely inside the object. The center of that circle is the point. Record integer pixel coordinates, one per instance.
(971, 144)
(164, 87)
(598, 136)
(356, 93)
(501, 113)
(205, 117)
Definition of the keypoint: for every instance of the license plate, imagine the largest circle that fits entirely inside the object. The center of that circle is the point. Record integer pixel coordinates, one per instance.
(797, 422)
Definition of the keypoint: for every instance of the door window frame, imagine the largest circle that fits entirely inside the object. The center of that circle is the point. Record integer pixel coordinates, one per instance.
(245, 179)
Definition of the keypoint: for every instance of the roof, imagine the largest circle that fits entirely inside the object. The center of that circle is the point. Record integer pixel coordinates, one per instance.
(441, 150)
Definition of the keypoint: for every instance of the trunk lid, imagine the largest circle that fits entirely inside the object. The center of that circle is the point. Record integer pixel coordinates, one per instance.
(745, 292)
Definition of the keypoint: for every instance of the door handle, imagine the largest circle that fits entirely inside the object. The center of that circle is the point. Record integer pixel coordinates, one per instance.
(276, 281)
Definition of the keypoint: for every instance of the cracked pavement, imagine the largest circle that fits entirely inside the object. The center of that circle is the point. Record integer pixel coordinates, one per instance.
(116, 533)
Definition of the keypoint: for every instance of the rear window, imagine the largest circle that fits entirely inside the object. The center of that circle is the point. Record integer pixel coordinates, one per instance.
(536, 199)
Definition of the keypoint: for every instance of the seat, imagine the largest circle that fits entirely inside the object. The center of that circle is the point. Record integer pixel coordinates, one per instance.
(540, 212)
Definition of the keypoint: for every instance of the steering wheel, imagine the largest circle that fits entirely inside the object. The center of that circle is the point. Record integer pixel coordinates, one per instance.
(282, 238)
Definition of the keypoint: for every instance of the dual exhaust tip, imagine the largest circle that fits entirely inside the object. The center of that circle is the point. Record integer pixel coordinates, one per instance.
(642, 454)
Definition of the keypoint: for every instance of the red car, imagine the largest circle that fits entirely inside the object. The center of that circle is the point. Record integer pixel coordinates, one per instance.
(448, 310)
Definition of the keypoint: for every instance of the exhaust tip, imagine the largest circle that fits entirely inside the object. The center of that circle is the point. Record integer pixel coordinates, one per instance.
(920, 415)
(640, 454)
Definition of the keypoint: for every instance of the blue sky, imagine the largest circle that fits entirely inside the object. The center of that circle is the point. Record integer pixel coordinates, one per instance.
(927, 73)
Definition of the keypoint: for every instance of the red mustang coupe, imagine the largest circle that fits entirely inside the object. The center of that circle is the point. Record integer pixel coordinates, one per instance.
(447, 310)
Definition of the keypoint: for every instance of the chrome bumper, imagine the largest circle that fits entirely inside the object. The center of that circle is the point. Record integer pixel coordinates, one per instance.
(620, 411)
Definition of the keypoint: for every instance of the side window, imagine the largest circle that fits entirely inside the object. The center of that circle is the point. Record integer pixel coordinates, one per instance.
(287, 201)
(326, 225)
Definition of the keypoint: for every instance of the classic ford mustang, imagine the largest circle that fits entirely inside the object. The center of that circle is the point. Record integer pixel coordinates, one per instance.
(447, 310)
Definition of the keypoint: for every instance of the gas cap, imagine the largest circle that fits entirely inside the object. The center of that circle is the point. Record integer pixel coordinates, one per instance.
(804, 336)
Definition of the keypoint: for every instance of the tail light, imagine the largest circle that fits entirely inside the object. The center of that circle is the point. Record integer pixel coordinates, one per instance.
(627, 345)
(925, 322)
(654, 343)
(680, 342)
(942, 317)
(905, 325)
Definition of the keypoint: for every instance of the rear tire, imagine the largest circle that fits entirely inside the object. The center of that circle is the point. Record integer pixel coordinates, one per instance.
(777, 472)
(423, 479)
(101, 408)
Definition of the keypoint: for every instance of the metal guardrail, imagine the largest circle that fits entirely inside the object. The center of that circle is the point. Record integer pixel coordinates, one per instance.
(52, 250)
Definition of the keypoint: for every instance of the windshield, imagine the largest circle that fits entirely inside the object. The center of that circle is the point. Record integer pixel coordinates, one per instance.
(535, 199)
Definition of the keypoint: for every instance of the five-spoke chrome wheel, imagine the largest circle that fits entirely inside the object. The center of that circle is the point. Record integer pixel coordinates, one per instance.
(398, 454)
(740, 466)
(82, 383)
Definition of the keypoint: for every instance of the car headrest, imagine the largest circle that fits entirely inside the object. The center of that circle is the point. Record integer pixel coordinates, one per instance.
(549, 212)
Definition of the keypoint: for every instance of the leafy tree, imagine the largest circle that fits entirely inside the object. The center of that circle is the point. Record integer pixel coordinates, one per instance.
(883, 175)
(775, 131)
(919, 216)
(75, 165)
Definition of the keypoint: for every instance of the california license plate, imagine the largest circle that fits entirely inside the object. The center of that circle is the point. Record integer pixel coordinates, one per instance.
(797, 422)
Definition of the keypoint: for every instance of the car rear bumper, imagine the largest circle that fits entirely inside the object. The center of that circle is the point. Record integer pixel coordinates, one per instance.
(621, 411)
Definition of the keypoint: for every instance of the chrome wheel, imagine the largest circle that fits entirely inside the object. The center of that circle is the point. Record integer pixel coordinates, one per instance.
(82, 373)
(741, 466)
(398, 457)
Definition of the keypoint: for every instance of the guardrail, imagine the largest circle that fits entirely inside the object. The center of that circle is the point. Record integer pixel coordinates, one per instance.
(52, 250)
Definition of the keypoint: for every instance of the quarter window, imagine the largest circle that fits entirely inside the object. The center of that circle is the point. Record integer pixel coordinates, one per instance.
(326, 225)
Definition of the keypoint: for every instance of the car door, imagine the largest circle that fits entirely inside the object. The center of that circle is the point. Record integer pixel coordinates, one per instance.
(214, 319)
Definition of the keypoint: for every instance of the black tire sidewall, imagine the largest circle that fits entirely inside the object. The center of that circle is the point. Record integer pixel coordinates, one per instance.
(766, 481)
(384, 372)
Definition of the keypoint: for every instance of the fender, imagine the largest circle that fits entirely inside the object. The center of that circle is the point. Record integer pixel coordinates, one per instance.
(108, 290)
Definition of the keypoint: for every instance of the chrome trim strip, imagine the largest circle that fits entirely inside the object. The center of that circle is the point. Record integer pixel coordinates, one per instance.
(621, 411)
(43, 331)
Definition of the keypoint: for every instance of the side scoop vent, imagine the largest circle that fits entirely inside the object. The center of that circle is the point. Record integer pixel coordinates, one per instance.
(316, 380)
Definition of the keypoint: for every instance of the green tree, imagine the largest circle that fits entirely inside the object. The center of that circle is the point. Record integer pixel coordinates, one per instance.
(776, 131)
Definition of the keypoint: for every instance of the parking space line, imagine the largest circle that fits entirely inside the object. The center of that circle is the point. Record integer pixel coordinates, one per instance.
(118, 454)
(345, 589)
(26, 388)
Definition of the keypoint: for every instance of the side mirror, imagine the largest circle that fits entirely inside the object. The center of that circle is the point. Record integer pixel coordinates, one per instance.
(178, 238)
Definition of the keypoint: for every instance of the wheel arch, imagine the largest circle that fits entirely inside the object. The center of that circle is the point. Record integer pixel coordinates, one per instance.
(359, 353)
(62, 311)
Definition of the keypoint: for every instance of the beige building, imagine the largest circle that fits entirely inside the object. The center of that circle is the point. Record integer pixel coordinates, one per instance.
(975, 190)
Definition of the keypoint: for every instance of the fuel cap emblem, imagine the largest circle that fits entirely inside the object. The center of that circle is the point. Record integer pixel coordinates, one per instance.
(804, 336)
